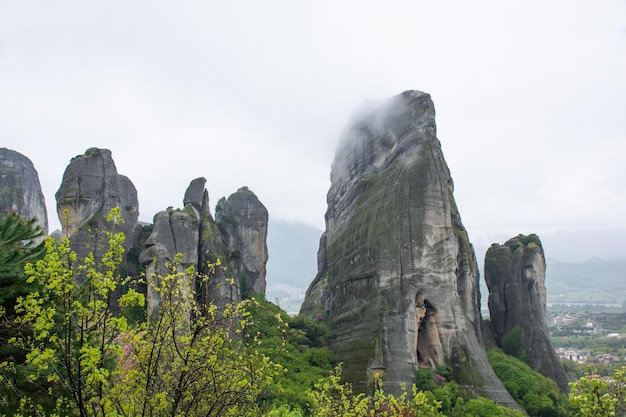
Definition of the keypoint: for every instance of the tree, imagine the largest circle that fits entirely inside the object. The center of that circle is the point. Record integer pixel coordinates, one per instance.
(456, 401)
(298, 346)
(190, 359)
(187, 360)
(19, 244)
(512, 342)
(599, 397)
(70, 334)
(482, 407)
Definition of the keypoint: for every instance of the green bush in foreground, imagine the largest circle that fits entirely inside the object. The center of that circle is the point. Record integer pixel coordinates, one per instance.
(82, 360)
(331, 398)
(593, 396)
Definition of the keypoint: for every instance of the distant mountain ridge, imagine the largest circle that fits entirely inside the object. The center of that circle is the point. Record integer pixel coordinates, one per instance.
(605, 273)
(598, 284)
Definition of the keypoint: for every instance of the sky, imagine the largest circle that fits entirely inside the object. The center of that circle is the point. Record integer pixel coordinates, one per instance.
(530, 99)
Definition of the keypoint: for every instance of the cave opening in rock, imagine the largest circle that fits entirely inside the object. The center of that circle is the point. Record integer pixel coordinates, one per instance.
(427, 343)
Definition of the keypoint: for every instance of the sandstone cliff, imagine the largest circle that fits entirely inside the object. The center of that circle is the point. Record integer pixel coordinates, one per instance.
(515, 276)
(20, 190)
(243, 222)
(236, 238)
(90, 188)
(397, 275)
(173, 232)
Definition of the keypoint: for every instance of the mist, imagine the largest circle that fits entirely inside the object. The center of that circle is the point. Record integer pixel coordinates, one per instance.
(528, 99)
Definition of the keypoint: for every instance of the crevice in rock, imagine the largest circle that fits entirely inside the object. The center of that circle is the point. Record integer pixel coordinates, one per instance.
(427, 341)
(172, 228)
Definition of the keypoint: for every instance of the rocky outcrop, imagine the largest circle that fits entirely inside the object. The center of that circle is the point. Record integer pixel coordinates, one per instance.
(173, 232)
(397, 275)
(90, 189)
(243, 222)
(237, 238)
(20, 190)
(515, 274)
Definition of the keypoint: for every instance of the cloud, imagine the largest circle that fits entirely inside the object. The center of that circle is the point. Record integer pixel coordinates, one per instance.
(528, 96)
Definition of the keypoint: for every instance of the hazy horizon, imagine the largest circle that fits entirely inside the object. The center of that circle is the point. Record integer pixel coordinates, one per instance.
(529, 99)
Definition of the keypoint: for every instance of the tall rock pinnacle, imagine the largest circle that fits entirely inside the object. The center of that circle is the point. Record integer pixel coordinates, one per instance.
(515, 274)
(243, 221)
(237, 237)
(397, 275)
(90, 188)
(20, 190)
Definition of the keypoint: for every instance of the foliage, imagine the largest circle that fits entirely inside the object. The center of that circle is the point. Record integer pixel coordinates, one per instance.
(429, 379)
(577, 370)
(611, 322)
(456, 401)
(511, 343)
(190, 359)
(538, 395)
(312, 332)
(593, 396)
(242, 359)
(482, 407)
(284, 411)
(330, 398)
(596, 343)
(18, 246)
(70, 336)
(299, 347)
(447, 392)
(82, 360)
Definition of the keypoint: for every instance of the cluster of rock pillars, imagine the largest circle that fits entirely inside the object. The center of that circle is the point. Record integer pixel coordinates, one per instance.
(397, 277)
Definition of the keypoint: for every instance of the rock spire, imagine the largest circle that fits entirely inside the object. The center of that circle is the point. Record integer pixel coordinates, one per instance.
(237, 237)
(20, 190)
(397, 275)
(243, 221)
(90, 189)
(515, 274)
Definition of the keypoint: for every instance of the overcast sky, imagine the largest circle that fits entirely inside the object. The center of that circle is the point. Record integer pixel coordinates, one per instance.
(530, 99)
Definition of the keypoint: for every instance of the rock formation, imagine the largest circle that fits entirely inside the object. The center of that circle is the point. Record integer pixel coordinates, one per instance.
(20, 190)
(236, 238)
(243, 222)
(397, 275)
(173, 232)
(515, 276)
(90, 189)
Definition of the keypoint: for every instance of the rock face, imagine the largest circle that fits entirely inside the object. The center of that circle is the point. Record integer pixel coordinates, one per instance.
(20, 190)
(173, 232)
(515, 274)
(243, 222)
(397, 275)
(237, 238)
(90, 188)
